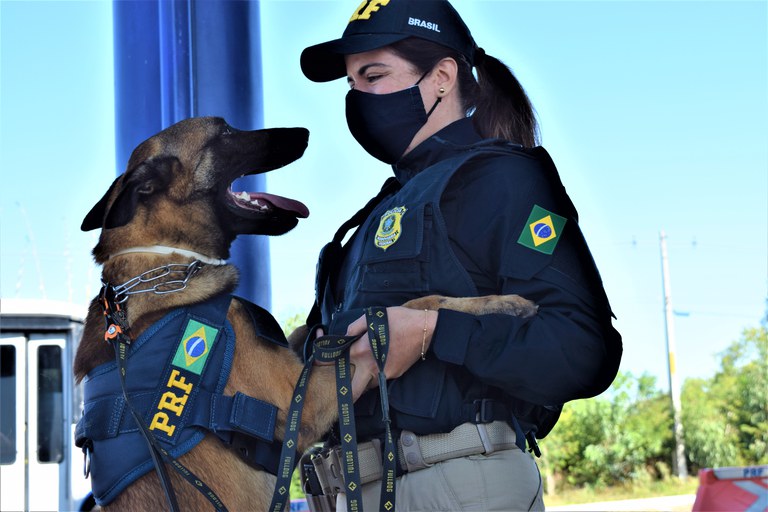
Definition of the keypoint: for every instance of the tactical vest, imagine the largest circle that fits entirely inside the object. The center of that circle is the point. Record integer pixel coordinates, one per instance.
(402, 252)
(175, 376)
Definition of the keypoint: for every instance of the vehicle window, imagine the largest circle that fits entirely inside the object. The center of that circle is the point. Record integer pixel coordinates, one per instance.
(8, 401)
(50, 408)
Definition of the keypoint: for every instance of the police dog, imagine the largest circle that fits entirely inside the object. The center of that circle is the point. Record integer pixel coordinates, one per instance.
(172, 207)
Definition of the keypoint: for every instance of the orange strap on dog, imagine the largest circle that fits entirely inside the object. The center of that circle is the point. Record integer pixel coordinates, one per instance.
(114, 317)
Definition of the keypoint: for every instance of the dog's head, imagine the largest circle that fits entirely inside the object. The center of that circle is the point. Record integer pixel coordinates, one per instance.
(177, 188)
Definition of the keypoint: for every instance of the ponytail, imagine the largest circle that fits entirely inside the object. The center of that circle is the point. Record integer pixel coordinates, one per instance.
(502, 108)
(498, 104)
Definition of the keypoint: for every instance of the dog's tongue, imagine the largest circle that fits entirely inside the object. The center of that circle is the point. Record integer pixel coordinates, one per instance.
(284, 203)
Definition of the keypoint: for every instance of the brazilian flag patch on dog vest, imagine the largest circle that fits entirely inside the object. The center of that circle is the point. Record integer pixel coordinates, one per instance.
(194, 347)
(542, 230)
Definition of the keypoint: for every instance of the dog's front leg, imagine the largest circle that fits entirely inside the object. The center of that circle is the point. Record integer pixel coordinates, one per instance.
(505, 304)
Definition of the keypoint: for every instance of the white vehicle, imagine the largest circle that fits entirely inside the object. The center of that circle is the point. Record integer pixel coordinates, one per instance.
(40, 468)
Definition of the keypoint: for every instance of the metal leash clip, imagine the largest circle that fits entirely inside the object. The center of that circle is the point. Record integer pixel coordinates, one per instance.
(87, 458)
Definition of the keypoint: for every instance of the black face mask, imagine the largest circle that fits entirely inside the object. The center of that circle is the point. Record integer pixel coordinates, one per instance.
(385, 124)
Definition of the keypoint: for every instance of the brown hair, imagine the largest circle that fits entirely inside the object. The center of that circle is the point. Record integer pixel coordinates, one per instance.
(499, 106)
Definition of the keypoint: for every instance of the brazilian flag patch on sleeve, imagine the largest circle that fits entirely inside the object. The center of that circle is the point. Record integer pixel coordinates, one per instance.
(542, 230)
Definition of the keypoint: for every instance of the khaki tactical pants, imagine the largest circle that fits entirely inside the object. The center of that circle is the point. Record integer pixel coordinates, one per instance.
(507, 480)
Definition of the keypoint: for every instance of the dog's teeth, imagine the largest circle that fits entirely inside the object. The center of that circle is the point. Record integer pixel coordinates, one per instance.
(261, 207)
(244, 195)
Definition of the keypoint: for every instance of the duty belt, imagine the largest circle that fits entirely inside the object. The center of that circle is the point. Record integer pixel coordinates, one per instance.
(414, 453)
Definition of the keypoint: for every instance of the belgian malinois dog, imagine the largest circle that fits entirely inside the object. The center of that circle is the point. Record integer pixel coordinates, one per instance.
(166, 225)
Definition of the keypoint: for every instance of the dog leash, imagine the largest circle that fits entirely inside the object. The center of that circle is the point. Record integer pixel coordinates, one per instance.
(333, 348)
(116, 334)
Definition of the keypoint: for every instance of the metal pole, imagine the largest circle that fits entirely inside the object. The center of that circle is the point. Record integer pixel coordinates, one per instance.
(674, 388)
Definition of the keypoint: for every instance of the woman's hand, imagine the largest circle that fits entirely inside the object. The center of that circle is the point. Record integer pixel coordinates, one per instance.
(407, 339)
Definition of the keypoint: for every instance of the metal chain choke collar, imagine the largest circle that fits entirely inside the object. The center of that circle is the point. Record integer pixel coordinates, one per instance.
(178, 273)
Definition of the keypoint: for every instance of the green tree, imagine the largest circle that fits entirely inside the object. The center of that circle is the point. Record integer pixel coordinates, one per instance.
(709, 439)
(624, 434)
(292, 322)
(744, 379)
(725, 418)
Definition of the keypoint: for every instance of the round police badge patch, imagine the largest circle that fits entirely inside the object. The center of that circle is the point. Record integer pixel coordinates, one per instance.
(390, 228)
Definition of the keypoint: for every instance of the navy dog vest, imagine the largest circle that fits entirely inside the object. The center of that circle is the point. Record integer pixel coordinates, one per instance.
(175, 376)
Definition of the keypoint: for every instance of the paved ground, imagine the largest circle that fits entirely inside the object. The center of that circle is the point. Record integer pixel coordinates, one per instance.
(682, 503)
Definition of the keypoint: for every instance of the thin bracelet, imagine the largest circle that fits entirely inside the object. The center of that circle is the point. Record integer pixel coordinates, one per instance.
(424, 337)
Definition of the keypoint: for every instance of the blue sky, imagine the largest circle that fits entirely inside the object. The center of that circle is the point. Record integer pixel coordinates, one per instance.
(655, 112)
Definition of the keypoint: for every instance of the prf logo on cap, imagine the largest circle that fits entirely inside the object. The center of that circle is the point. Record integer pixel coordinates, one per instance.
(366, 8)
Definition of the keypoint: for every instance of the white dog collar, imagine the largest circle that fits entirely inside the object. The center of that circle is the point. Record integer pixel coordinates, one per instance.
(164, 249)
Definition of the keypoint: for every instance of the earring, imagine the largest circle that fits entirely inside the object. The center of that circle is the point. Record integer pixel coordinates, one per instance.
(442, 90)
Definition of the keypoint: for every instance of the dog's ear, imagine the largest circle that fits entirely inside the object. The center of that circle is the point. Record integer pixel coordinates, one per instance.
(144, 181)
(95, 217)
(118, 214)
(122, 209)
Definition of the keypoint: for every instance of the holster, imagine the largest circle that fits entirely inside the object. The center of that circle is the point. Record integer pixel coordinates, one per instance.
(310, 484)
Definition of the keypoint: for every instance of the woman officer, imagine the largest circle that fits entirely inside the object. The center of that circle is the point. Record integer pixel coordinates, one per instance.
(474, 208)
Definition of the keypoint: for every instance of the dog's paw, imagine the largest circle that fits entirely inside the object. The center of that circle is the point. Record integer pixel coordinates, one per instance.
(510, 305)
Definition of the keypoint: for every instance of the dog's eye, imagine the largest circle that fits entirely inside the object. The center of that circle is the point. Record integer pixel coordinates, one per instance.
(146, 188)
(227, 130)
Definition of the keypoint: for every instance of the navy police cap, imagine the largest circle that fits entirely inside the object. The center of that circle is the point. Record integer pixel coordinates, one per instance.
(378, 23)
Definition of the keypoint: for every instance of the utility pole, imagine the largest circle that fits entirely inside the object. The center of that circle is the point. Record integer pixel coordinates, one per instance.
(674, 388)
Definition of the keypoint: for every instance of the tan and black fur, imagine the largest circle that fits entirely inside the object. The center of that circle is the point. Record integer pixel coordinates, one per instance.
(176, 193)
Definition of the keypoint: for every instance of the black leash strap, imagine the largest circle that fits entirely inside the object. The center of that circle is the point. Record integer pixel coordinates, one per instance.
(116, 335)
(347, 433)
(288, 452)
(332, 348)
(378, 334)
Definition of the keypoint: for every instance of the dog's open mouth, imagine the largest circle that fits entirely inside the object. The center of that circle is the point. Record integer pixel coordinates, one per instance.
(266, 204)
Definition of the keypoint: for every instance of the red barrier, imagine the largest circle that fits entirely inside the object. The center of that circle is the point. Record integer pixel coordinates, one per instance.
(732, 489)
